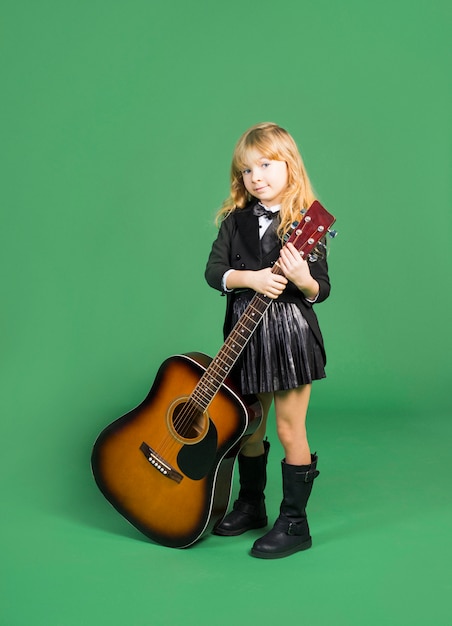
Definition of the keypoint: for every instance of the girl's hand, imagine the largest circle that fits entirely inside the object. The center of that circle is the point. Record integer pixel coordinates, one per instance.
(296, 269)
(262, 281)
(271, 285)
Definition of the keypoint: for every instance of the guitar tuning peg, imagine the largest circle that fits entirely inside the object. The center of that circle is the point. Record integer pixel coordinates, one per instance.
(332, 233)
(288, 234)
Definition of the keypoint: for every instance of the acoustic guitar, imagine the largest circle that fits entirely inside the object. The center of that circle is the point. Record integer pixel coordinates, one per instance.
(167, 465)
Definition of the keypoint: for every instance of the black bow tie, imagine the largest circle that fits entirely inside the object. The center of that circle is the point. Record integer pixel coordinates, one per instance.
(260, 210)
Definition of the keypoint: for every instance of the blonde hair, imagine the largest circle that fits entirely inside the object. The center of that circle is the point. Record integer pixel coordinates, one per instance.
(274, 143)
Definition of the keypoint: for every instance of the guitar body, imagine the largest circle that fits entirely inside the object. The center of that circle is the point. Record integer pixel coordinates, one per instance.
(170, 480)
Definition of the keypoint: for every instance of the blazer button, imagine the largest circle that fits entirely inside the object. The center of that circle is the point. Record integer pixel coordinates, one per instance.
(242, 264)
(237, 256)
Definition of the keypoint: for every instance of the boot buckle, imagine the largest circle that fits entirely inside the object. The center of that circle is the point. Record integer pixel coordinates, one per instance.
(311, 475)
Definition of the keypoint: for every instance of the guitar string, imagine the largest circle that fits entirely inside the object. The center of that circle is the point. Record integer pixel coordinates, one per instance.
(185, 419)
(192, 409)
(211, 380)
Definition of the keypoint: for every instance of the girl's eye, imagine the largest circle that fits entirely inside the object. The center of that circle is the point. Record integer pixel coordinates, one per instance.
(265, 164)
(246, 171)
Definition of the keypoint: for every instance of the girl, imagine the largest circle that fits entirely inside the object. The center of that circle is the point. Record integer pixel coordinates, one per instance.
(269, 188)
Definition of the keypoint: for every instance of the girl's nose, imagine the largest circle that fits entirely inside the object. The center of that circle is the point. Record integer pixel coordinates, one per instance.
(255, 175)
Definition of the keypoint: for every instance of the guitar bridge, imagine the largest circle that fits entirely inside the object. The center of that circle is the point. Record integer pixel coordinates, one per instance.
(159, 463)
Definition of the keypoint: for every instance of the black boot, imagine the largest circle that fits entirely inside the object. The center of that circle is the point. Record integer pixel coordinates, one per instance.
(249, 509)
(291, 531)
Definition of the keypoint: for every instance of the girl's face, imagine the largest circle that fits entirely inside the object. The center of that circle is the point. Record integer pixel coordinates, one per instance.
(264, 178)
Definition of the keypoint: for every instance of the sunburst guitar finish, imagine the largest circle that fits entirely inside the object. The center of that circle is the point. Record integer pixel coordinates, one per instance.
(167, 465)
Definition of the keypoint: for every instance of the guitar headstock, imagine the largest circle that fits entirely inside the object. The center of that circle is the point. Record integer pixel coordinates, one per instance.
(315, 224)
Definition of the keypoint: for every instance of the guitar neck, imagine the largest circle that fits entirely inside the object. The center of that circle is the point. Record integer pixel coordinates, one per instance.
(222, 363)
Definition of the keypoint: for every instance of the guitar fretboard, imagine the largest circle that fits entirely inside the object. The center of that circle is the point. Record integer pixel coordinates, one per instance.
(223, 362)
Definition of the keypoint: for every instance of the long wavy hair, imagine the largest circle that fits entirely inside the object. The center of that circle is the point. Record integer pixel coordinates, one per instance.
(274, 143)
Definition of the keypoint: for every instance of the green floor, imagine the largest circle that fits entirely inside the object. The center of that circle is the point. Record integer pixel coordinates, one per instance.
(380, 517)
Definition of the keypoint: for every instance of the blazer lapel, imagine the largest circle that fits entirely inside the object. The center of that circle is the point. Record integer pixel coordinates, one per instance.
(270, 245)
(248, 226)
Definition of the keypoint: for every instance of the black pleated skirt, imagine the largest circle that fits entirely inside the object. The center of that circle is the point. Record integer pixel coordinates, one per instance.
(282, 353)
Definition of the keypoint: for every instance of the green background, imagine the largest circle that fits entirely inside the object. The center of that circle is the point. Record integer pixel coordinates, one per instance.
(118, 121)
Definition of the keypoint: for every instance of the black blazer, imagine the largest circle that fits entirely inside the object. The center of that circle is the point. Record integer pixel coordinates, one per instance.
(237, 247)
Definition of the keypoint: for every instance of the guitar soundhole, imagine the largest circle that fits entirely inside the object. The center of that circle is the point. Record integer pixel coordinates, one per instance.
(188, 422)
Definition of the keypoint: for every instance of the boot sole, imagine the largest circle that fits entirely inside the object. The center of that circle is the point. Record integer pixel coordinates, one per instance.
(279, 555)
(234, 533)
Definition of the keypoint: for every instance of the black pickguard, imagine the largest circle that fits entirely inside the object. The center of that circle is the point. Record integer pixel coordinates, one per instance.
(196, 460)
